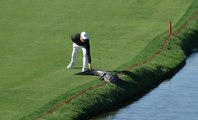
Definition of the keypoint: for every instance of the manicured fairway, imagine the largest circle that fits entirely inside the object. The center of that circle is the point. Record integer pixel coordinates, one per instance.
(35, 45)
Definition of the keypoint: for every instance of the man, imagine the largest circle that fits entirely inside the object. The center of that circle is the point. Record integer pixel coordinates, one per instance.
(80, 40)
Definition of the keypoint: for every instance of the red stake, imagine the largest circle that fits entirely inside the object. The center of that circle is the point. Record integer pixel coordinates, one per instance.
(170, 28)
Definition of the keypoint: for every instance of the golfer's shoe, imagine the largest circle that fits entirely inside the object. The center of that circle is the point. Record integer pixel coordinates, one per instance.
(70, 65)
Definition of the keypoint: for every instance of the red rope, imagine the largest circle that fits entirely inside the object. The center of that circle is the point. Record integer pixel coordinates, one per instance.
(162, 47)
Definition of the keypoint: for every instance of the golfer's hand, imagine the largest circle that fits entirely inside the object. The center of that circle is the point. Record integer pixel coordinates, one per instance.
(90, 67)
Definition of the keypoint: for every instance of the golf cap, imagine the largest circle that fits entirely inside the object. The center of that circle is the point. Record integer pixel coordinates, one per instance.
(84, 35)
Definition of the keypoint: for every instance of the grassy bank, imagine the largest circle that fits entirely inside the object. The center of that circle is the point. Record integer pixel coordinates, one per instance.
(35, 46)
(133, 81)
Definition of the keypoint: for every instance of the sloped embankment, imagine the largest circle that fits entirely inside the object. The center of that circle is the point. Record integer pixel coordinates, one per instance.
(161, 59)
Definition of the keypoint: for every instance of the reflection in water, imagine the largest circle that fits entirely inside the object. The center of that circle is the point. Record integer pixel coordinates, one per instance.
(176, 99)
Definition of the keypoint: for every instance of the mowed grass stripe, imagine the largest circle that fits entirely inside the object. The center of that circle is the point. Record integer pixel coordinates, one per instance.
(35, 44)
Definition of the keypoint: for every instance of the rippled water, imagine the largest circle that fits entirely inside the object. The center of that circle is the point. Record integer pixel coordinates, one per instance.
(176, 99)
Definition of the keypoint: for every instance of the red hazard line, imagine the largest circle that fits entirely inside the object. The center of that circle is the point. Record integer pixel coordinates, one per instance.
(149, 59)
(152, 57)
(119, 74)
(185, 24)
(70, 99)
(162, 47)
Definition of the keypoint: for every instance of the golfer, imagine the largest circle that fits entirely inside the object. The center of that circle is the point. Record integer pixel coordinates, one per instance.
(80, 40)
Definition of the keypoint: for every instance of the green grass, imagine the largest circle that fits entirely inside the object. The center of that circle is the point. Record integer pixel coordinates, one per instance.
(35, 44)
(139, 80)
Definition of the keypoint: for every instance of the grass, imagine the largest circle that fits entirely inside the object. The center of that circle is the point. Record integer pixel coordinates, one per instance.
(141, 79)
(35, 46)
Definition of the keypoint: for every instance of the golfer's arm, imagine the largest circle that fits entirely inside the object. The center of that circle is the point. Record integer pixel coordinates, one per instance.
(89, 55)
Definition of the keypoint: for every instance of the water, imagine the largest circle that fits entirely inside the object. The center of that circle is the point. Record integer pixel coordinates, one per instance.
(176, 99)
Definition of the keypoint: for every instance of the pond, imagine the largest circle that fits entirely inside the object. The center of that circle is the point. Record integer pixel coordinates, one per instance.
(174, 99)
